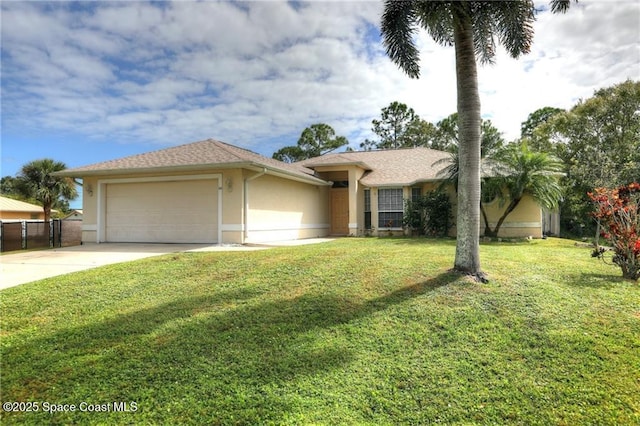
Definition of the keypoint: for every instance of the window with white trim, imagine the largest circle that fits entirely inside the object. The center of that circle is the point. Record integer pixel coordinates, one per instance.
(367, 208)
(390, 208)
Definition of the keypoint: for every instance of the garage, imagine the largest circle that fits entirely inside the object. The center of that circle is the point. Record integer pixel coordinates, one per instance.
(161, 211)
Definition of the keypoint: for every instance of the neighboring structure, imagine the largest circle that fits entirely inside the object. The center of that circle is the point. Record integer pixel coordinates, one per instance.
(213, 192)
(73, 215)
(11, 209)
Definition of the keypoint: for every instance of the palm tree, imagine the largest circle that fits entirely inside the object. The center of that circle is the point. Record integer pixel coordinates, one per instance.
(519, 172)
(471, 27)
(36, 180)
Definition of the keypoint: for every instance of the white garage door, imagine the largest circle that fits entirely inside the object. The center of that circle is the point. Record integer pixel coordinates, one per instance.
(162, 212)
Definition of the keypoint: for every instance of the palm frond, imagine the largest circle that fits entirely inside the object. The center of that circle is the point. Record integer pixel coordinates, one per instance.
(560, 5)
(398, 28)
(514, 26)
(510, 21)
(436, 18)
(483, 31)
(521, 171)
(450, 170)
(449, 173)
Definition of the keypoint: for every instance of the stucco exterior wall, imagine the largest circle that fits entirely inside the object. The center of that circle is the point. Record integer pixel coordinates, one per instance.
(524, 221)
(9, 215)
(281, 209)
(356, 201)
(278, 208)
(233, 206)
(89, 209)
(259, 207)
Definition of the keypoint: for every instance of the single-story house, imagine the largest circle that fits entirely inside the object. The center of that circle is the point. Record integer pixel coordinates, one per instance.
(213, 192)
(11, 209)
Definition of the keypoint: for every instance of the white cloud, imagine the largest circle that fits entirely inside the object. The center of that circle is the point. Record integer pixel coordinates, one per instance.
(256, 73)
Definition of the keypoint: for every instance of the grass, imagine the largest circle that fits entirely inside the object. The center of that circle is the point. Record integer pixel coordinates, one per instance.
(357, 331)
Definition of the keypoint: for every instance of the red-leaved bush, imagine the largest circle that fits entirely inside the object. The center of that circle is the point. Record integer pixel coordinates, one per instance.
(618, 211)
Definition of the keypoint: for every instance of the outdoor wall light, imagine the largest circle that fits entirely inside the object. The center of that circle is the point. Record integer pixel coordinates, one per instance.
(229, 183)
(90, 190)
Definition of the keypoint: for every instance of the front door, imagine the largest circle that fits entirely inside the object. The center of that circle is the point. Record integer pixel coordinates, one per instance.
(340, 211)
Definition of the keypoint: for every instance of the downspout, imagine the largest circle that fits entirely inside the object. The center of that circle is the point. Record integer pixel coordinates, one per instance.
(245, 219)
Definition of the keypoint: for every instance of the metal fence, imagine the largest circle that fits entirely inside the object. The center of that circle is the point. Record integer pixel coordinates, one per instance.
(32, 234)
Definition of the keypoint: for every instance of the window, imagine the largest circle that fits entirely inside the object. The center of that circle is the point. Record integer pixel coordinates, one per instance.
(416, 193)
(367, 209)
(390, 208)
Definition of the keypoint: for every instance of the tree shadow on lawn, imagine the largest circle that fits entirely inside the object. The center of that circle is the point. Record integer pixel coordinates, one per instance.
(222, 356)
(594, 280)
(418, 240)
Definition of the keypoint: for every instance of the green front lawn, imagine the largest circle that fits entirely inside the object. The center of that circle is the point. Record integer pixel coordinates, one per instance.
(356, 331)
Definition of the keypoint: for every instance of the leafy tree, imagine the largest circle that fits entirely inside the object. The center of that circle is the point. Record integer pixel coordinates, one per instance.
(368, 145)
(471, 27)
(419, 133)
(446, 138)
(619, 212)
(393, 124)
(9, 189)
(598, 141)
(315, 140)
(291, 154)
(533, 129)
(37, 180)
(8, 185)
(492, 141)
(399, 127)
(519, 172)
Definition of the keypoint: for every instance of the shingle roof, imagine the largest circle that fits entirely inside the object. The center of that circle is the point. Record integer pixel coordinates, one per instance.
(384, 168)
(389, 167)
(11, 205)
(203, 154)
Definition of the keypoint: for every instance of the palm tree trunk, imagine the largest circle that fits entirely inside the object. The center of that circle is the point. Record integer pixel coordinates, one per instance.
(512, 206)
(467, 259)
(487, 228)
(493, 233)
(47, 212)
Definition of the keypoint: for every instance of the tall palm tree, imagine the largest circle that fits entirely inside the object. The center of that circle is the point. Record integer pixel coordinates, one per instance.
(471, 27)
(36, 180)
(519, 172)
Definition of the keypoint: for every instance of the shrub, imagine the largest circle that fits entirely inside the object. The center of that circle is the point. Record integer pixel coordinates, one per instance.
(430, 214)
(618, 212)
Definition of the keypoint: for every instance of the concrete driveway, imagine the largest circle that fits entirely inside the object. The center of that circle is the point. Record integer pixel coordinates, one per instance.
(23, 267)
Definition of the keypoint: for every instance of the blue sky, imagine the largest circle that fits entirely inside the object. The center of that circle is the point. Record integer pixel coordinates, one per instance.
(84, 82)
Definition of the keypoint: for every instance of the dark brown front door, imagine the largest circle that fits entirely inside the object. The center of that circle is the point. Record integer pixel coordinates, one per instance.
(340, 211)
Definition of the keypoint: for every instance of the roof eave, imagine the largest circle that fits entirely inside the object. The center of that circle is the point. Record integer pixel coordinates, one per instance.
(337, 164)
(301, 177)
(397, 184)
(145, 170)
